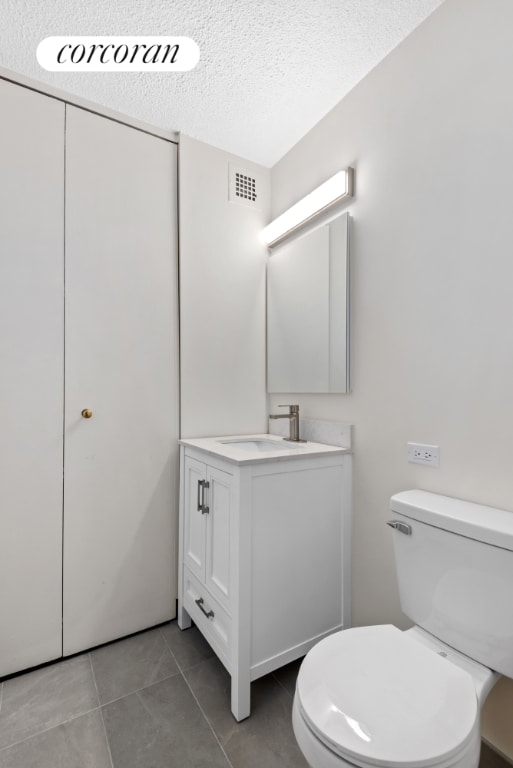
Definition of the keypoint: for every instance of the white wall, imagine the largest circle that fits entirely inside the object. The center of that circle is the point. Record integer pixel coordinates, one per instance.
(222, 296)
(430, 135)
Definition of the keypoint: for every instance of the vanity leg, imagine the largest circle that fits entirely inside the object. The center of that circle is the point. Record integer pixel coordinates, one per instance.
(241, 696)
(183, 618)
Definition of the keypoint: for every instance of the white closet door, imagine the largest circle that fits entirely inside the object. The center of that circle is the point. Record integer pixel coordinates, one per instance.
(121, 465)
(31, 376)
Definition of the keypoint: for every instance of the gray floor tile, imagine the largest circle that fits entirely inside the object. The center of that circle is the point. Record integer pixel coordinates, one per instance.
(490, 758)
(79, 743)
(128, 665)
(46, 697)
(42, 724)
(189, 647)
(162, 727)
(287, 675)
(264, 740)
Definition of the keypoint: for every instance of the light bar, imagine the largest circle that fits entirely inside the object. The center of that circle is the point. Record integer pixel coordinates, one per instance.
(332, 191)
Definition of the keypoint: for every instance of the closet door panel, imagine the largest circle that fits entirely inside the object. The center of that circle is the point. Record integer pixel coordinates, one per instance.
(121, 465)
(31, 378)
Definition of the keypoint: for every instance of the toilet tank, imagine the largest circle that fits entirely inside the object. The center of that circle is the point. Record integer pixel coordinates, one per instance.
(454, 566)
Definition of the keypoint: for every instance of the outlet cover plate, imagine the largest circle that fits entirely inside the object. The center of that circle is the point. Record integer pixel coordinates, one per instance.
(420, 453)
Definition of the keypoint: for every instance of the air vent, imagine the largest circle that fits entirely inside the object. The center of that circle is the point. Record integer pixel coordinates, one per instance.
(243, 188)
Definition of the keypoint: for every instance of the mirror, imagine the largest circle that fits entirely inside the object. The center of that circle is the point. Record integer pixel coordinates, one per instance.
(307, 312)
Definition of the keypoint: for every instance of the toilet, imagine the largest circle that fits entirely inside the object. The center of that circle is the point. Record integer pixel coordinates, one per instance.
(379, 696)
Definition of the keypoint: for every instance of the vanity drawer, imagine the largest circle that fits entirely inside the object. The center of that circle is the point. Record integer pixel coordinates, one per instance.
(212, 620)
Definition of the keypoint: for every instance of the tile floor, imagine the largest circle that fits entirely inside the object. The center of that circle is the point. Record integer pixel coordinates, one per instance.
(159, 699)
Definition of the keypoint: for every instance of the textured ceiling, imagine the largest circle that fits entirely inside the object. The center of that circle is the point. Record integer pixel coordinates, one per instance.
(268, 70)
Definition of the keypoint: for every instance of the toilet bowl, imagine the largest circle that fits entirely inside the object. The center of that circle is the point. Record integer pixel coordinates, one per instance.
(376, 696)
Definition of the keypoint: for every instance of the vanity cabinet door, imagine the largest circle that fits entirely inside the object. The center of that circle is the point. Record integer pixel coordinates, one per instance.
(218, 523)
(194, 520)
(209, 504)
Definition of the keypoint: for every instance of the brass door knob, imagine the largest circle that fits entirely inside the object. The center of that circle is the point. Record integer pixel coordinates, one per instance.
(86, 413)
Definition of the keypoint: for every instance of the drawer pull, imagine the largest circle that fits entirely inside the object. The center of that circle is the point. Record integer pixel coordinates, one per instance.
(199, 603)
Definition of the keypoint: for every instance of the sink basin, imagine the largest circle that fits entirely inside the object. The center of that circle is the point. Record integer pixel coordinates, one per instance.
(259, 445)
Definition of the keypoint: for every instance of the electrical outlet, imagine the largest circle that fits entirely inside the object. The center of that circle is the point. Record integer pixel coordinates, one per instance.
(418, 453)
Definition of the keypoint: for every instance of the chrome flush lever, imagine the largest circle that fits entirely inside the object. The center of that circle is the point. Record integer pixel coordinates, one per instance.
(401, 527)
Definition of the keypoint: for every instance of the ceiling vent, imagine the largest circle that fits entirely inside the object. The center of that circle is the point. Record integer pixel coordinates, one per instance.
(243, 187)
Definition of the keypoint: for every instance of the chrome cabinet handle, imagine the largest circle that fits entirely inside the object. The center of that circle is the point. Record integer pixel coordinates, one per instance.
(201, 506)
(199, 603)
(205, 509)
(200, 496)
(401, 527)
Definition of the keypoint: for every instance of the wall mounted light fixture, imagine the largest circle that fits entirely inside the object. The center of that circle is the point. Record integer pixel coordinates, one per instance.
(323, 197)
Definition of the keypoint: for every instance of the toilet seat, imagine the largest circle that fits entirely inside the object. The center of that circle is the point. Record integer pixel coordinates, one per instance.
(376, 697)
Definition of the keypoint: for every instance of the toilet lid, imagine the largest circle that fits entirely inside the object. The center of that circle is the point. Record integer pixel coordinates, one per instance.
(374, 695)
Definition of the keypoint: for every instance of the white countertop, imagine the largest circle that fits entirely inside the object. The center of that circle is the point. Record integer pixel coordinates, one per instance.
(225, 447)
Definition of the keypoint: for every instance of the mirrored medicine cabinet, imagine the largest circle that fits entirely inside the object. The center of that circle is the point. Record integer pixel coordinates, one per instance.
(308, 312)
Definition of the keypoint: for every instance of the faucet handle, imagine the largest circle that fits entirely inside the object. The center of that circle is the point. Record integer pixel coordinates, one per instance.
(293, 408)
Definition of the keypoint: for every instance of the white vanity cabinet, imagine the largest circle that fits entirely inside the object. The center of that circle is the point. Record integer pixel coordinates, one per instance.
(264, 552)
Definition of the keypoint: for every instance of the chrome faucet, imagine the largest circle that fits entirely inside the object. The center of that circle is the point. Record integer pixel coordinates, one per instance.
(293, 416)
